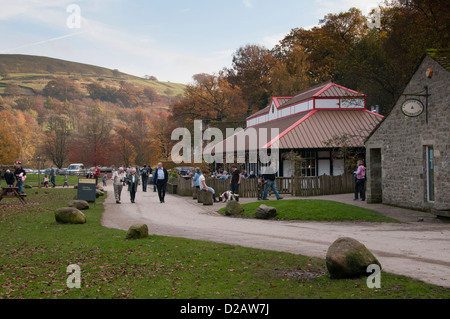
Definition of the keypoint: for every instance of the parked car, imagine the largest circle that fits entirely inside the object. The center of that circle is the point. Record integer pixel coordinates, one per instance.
(62, 171)
(76, 169)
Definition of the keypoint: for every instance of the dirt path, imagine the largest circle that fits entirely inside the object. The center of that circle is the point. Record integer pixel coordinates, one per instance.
(420, 250)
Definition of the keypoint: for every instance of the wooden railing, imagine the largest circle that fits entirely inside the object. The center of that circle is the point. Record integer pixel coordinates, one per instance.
(295, 186)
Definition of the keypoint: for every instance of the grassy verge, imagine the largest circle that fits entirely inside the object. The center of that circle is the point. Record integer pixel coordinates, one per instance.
(36, 252)
(315, 210)
(32, 180)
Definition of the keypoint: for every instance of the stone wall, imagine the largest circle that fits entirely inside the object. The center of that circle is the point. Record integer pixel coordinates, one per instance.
(403, 140)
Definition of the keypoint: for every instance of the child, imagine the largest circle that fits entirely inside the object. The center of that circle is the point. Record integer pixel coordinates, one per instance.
(104, 179)
(46, 181)
(66, 183)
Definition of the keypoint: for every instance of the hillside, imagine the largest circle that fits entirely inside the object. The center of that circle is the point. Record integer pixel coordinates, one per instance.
(32, 73)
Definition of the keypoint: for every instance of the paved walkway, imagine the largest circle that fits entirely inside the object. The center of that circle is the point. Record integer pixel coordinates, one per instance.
(417, 249)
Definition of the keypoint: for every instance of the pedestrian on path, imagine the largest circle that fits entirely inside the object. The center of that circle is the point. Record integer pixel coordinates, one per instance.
(144, 175)
(360, 174)
(133, 182)
(118, 178)
(53, 176)
(161, 179)
(270, 179)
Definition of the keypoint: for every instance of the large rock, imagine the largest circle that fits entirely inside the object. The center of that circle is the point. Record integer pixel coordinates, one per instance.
(348, 258)
(70, 215)
(233, 208)
(266, 212)
(137, 231)
(79, 204)
(99, 193)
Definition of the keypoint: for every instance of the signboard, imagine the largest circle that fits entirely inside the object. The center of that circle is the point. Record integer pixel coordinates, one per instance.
(86, 190)
(412, 108)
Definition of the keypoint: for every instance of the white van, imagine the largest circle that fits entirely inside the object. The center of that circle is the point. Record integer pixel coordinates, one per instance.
(76, 169)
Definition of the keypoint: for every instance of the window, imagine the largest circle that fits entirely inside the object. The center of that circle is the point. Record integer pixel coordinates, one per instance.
(309, 164)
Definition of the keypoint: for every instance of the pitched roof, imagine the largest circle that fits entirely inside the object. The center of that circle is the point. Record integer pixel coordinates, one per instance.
(312, 129)
(321, 127)
(441, 56)
(323, 90)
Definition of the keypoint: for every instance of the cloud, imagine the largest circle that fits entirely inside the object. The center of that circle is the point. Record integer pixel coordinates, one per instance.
(247, 3)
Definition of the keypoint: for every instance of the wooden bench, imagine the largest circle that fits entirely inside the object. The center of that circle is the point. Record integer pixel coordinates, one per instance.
(12, 192)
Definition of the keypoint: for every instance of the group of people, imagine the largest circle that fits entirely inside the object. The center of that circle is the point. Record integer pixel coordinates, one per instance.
(132, 179)
(17, 178)
(236, 176)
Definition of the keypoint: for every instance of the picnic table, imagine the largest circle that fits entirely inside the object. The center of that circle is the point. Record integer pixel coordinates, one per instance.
(12, 192)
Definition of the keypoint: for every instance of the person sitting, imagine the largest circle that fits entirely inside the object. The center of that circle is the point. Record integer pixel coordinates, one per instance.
(203, 186)
(224, 175)
(46, 181)
(9, 178)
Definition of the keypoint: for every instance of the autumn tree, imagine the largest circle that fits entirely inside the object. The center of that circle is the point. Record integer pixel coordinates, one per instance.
(57, 139)
(210, 97)
(10, 151)
(62, 89)
(91, 144)
(250, 72)
(152, 95)
(4, 72)
(128, 95)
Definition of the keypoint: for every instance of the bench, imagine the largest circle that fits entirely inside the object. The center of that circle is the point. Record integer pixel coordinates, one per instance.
(12, 192)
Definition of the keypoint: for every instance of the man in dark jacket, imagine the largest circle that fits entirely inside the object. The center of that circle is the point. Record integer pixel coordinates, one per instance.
(20, 175)
(161, 178)
(9, 178)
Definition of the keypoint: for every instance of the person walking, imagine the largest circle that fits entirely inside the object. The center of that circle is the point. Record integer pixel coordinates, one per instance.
(53, 176)
(161, 177)
(104, 180)
(20, 175)
(133, 182)
(360, 174)
(118, 178)
(235, 181)
(144, 175)
(270, 180)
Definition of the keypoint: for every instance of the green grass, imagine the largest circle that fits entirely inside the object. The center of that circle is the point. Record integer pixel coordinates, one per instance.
(315, 210)
(36, 251)
(32, 180)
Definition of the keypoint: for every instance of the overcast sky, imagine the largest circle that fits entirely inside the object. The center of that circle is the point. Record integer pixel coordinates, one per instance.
(170, 39)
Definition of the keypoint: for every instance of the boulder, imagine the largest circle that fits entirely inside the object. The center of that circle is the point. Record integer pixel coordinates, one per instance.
(79, 204)
(70, 215)
(233, 208)
(99, 193)
(266, 212)
(137, 231)
(348, 258)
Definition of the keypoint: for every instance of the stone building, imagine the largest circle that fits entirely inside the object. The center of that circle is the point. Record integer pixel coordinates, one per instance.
(408, 155)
